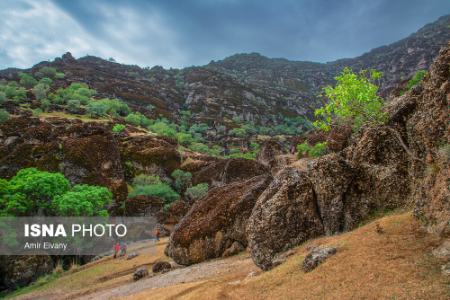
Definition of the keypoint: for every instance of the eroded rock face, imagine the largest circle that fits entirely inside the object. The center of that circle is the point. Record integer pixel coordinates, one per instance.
(268, 154)
(18, 271)
(285, 215)
(222, 172)
(316, 257)
(216, 221)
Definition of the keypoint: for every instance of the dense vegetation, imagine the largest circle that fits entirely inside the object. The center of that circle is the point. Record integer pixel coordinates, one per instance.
(33, 192)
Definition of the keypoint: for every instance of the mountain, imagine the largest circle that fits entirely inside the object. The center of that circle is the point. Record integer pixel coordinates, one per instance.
(250, 86)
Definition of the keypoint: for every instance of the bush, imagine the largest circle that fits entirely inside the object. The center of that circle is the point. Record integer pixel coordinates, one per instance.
(46, 81)
(15, 93)
(2, 97)
(163, 127)
(45, 104)
(83, 200)
(144, 179)
(73, 106)
(27, 81)
(416, 79)
(305, 149)
(76, 91)
(160, 190)
(40, 91)
(182, 179)
(354, 99)
(96, 109)
(199, 147)
(32, 190)
(184, 139)
(197, 191)
(118, 128)
(4, 116)
(59, 75)
(46, 72)
(138, 119)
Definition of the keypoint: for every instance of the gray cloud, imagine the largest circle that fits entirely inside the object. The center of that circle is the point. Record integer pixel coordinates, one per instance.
(183, 33)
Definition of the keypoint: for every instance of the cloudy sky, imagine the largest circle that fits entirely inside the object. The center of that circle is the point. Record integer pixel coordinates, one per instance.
(193, 32)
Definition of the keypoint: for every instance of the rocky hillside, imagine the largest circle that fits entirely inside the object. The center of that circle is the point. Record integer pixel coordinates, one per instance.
(404, 163)
(249, 86)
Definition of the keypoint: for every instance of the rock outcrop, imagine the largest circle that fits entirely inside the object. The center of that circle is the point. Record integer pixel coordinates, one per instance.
(216, 221)
(316, 257)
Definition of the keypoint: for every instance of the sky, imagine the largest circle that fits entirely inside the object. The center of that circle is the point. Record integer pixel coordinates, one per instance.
(193, 32)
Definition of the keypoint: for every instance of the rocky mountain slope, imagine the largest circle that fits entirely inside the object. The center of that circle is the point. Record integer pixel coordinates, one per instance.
(249, 86)
(404, 163)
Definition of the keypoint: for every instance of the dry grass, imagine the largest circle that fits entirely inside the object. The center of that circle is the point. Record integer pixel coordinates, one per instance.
(393, 265)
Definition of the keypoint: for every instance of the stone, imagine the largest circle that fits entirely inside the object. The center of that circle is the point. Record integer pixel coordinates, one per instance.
(132, 255)
(161, 266)
(234, 249)
(316, 257)
(140, 273)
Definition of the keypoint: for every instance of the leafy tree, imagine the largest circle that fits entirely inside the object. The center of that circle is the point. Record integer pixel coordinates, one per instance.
(160, 190)
(118, 128)
(144, 179)
(305, 149)
(27, 81)
(182, 179)
(83, 200)
(196, 191)
(354, 99)
(34, 190)
(4, 116)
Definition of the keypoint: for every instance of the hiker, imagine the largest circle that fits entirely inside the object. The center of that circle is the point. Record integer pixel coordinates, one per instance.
(157, 233)
(123, 248)
(116, 249)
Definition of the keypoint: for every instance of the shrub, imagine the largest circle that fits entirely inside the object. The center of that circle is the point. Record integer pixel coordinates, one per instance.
(46, 81)
(2, 97)
(45, 104)
(199, 147)
(416, 79)
(73, 106)
(4, 116)
(59, 75)
(83, 200)
(138, 119)
(184, 139)
(162, 127)
(305, 149)
(160, 190)
(144, 179)
(196, 191)
(27, 81)
(118, 128)
(182, 179)
(354, 99)
(76, 91)
(15, 93)
(40, 91)
(46, 72)
(96, 109)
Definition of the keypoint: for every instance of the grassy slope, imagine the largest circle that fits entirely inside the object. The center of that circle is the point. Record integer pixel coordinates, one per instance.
(393, 265)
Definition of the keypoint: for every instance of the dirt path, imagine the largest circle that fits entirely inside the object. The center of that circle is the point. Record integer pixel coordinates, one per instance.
(194, 273)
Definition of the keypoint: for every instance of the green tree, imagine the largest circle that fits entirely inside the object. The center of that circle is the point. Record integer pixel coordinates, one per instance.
(184, 139)
(40, 91)
(353, 99)
(160, 190)
(4, 116)
(27, 81)
(73, 106)
(416, 79)
(306, 150)
(162, 127)
(182, 179)
(83, 200)
(118, 128)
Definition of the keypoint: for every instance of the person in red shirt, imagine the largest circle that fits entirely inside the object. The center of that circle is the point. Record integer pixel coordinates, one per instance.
(116, 249)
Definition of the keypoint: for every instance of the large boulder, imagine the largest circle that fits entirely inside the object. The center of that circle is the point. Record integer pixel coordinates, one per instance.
(216, 221)
(285, 215)
(268, 155)
(19, 271)
(225, 171)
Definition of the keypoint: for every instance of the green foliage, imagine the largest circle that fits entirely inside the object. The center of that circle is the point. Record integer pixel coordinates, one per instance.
(96, 109)
(197, 191)
(416, 79)
(184, 139)
(163, 127)
(238, 154)
(306, 150)
(76, 91)
(35, 192)
(199, 147)
(46, 72)
(2, 97)
(182, 179)
(144, 179)
(40, 90)
(14, 92)
(199, 128)
(60, 75)
(138, 119)
(45, 104)
(353, 99)
(27, 81)
(4, 116)
(160, 190)
(238, 132)
(31, 191)
(73, 106)
(118, 128)
(83, 200)
(111, 107)
(47, 81)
